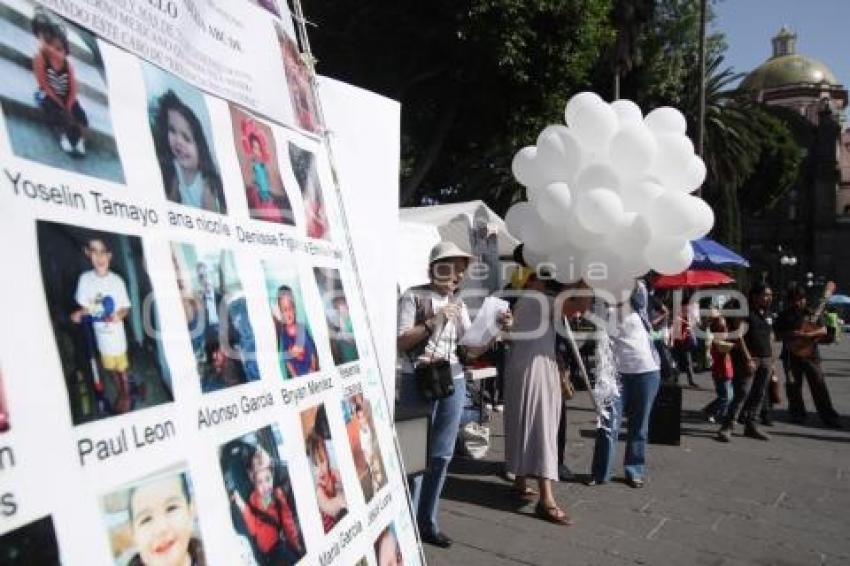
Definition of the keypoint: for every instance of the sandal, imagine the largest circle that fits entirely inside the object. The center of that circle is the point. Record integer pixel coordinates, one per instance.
(553, 514)
(526, 494)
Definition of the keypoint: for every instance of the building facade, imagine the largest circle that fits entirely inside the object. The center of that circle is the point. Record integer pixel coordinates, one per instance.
(805, 237)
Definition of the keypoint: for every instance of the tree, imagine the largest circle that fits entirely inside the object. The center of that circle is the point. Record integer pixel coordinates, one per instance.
(477, 80)
(750, 154)
(665, 52)
(629, 19)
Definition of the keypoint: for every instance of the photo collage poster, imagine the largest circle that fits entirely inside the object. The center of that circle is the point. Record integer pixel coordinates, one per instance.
(186, 368)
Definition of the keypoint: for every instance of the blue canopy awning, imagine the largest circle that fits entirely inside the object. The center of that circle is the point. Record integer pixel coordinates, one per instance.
(709, 254)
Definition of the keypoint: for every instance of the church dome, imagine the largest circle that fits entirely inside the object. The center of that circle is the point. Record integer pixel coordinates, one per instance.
(787, 67)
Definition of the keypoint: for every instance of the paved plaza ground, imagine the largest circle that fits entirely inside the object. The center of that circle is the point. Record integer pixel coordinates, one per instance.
(782, 502)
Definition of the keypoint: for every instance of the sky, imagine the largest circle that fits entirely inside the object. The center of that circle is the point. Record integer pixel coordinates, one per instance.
(822, 27)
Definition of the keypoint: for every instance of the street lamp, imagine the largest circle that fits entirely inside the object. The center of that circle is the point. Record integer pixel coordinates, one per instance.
(785, 260)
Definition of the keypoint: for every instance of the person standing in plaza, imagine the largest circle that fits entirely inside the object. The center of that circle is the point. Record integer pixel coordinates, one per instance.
(756, 353)
(533, 396)
(432, 319)
(804, 361)
(637, 362)
(685, 341)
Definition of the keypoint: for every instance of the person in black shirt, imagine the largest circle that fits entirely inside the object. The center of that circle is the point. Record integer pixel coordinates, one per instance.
(754, 367)
(789, 329)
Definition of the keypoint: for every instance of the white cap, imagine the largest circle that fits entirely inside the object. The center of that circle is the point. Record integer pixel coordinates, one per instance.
(445, 250)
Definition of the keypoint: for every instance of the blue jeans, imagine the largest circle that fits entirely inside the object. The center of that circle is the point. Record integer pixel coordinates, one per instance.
(425, 489)
(637, 394)
(724, 398)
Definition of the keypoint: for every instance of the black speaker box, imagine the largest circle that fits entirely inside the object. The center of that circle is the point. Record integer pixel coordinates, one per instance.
(665, 420)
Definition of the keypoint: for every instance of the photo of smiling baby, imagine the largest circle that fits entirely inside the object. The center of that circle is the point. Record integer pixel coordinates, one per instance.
(182, 136)
(153, 522)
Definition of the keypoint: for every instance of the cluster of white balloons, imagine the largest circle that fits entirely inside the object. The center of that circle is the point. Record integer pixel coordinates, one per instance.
(609, 194)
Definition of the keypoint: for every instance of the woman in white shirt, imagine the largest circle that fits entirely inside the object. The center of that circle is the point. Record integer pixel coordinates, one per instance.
(636, 361)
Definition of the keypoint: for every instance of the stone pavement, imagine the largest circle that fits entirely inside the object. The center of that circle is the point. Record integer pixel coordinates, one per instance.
(783, 502)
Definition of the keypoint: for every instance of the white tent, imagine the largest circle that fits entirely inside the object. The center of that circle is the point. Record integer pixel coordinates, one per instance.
(471, 225)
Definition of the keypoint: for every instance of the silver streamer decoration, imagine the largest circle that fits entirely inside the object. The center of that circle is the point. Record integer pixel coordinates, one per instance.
(607, 388)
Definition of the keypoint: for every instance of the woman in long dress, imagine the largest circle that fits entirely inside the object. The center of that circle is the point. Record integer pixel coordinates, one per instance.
(533, 398)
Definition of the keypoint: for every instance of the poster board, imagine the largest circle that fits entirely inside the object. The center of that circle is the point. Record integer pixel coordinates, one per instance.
(187, 367)
(366, 146)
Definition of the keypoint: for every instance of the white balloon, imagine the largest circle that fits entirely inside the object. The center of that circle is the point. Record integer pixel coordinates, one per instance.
(553, 203)
(666, 120)
(633, 150)
(533, 232)
(628, 113)
(669, 256)
(636, 265)
(599, 210)
(632, 237)
(694, 174)
(700, 216)
(613, 186)
(559, 155)
(576, 235)
(567, 261)
(518, 217)
(639, 196)
(535, 236)
(579, 101)
(606, 271)
(677, 214)
(525, 169)
(594, 125)
(596, 176)
(674, 154)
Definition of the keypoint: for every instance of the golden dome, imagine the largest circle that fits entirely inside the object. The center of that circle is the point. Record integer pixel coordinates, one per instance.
(787, 67)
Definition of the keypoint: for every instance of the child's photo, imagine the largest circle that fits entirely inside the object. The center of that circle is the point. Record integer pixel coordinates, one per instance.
(324, 466)
(5, 423)
(337, 314)
(258, 162)
(154, 522)
(262, 505)
(104, 319)
(363, 439)
(216, 312)
(54, 93)
(387, 548)
(298, 80)
(34, 543)
(304, 168)
(296, 349)
(182, 136)
(270, 5)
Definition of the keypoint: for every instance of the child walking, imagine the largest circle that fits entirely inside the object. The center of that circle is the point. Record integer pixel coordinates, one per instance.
(721, 369)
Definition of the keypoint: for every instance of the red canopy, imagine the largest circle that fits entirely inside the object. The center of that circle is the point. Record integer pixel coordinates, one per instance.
(692, 278)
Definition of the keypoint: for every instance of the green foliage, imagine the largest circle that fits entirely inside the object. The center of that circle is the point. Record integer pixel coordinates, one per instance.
(751, 155)
(669, 48)
(477, 80)
(779, 165)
